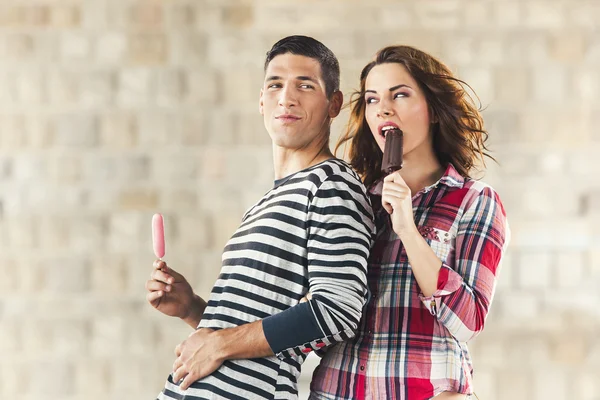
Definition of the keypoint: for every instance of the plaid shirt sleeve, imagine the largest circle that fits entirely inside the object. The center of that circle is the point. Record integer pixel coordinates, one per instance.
(465, 290)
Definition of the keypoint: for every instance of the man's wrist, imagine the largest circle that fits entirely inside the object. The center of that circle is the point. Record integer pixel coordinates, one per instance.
(195, 312)
(226, 342)
(242, 342)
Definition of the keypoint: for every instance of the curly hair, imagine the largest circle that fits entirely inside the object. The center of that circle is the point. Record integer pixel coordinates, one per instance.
(458, 135)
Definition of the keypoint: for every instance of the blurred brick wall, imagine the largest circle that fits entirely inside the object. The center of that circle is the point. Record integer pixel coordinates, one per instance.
(111, 110)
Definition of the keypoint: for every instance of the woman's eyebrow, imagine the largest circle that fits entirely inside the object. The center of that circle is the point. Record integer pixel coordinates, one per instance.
(391, 89)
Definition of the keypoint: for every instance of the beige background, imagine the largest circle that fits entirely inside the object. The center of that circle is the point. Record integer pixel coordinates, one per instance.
(111, 110)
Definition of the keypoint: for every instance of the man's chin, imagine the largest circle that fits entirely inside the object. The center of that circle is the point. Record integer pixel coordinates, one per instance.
(285, 144)
(283, 139)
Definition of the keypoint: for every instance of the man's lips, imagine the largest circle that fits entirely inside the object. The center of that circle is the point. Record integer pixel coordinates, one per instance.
(287, 118)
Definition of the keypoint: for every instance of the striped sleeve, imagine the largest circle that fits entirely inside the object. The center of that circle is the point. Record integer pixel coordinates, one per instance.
(340, 232)
(464, 292)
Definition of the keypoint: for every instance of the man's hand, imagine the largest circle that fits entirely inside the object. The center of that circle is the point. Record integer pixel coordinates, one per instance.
(205, 350)
(197, 356)
(170, 293)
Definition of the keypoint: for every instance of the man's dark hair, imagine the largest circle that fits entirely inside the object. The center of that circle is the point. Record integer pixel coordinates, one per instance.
(309, 47)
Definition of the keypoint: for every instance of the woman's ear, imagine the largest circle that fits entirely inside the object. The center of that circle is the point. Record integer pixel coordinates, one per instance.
(433, 118)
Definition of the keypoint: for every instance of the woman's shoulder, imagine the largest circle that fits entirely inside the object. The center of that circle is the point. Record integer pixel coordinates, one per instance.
(476, 188)
(481, 194)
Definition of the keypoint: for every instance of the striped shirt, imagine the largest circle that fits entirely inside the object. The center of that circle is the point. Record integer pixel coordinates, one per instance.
(409, 346)
(311, 232)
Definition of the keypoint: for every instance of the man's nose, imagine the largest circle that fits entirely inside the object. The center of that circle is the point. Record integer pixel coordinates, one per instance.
(287, 97)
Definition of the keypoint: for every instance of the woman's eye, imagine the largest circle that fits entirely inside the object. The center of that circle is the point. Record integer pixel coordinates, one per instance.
(370, 100)
(400, 94)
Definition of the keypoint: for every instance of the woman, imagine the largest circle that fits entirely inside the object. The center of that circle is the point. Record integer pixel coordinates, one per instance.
(440, 237)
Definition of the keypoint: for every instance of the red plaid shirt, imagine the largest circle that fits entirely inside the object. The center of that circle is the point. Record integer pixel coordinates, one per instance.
(412, 347)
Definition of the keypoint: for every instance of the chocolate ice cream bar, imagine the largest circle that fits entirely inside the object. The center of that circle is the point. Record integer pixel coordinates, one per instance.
(392, 154)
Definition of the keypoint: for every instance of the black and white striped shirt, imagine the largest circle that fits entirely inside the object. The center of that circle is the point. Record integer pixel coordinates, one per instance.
(311, 232)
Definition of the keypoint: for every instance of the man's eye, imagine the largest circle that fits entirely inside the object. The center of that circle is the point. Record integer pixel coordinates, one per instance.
(274, 86)
(307, 86)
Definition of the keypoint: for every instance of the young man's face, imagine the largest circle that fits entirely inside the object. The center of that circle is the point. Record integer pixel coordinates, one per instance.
(294, 103)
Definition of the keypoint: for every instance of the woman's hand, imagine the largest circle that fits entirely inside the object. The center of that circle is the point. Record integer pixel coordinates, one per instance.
(396, 198)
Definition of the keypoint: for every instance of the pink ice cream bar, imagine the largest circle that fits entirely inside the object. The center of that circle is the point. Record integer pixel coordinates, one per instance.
(158, 235)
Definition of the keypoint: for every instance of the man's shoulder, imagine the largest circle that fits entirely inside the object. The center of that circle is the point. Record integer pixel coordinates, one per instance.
(337, 179)
(329, 178)
(335, 169)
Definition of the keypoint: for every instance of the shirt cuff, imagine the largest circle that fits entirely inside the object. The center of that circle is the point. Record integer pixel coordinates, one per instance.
(449, 281)
(291, 328)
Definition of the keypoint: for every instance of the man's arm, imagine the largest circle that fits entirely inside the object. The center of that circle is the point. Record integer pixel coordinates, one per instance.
(243, 342)
(340, 231)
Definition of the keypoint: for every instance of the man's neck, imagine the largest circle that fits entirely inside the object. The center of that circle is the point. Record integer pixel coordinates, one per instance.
(289, 161)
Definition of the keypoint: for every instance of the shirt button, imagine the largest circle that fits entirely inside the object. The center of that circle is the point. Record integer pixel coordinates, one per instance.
(362, 367)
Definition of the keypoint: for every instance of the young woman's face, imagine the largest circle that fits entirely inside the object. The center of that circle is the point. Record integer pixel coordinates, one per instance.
(392, 97)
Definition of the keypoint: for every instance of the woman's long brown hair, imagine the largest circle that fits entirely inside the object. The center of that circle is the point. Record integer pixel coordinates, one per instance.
(458, 134)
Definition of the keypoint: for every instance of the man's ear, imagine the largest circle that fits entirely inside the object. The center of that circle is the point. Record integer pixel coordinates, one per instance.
(260, 104)
(335, 104)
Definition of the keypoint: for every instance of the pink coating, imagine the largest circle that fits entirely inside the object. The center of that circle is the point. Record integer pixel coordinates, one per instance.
(158, 235)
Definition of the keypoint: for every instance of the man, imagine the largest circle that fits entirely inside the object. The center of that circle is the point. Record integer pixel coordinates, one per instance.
(310, 234)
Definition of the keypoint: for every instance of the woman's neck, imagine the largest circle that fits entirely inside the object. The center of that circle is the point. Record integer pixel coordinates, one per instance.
(421, 170)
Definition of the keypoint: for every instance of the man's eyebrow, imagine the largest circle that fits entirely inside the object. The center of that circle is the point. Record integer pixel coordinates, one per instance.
(391, 89)
(307, 78)
(298, 78)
